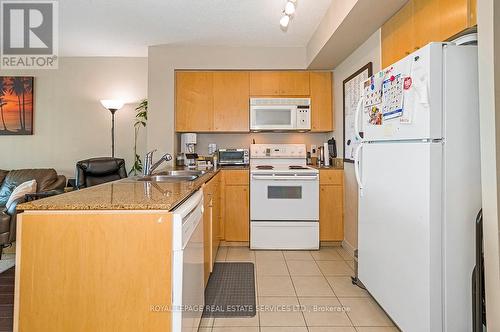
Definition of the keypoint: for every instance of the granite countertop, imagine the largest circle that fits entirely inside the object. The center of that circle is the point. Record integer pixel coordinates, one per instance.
(337, 164)
(125, 194)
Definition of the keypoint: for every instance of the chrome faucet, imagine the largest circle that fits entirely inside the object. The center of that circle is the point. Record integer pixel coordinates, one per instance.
(149, 167)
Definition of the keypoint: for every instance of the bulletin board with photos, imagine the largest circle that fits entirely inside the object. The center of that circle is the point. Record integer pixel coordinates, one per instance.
(352, 92)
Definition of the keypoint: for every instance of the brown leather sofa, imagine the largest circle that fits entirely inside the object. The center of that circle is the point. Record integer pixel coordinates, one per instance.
(48, 183)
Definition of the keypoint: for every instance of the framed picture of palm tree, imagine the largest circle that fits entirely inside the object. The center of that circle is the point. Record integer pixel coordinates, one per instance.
(16, 105)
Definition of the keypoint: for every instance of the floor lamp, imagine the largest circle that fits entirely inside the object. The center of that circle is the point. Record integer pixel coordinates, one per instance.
(112, 106)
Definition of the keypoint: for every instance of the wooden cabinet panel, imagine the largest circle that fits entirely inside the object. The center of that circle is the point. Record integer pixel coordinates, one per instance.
(294, 83)
(231, 101)
(322, 117)
(331, 177)
(123, 258)
(264, 83)
(193, 101)
(236, 217)
(472, 13)
(236, 177)
(211, 220)
(398, 35)
(216, 216)
(454, 17)
(331, 213)
(420, 22)
(427, 22)
(207, 242)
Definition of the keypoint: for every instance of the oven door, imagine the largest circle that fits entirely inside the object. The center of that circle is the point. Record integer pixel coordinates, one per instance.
(273, 117)
(284, 197)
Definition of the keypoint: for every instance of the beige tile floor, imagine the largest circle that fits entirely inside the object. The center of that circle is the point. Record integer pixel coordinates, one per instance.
(313, 290)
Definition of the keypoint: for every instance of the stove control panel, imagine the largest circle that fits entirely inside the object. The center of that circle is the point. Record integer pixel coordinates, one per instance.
(278, 151)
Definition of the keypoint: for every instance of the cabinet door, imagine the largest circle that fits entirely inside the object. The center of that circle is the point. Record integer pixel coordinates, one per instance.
(454, 17)
(207, 243)
(294, 83)
(236, 218)
(231, 101)
(264, 83)
(331, 213)
(398, 35)
(321, 101)
(216, 210)
(193, 101)
(427, 22)
(472, 13)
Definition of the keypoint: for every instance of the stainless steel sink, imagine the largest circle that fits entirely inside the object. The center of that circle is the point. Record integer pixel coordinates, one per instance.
(181, 173)
(171, 176)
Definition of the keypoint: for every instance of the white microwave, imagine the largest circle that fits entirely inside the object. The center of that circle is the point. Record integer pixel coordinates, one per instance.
(280, 114)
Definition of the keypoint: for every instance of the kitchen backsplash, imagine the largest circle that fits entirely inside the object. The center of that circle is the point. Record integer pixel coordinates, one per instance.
(224, 140)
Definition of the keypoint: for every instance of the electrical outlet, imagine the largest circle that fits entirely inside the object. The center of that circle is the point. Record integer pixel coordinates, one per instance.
(314, 150)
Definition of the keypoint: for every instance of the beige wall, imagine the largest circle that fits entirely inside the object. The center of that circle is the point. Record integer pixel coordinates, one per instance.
(69, 122)
(164, 59)
(369, 51)
(489, 89)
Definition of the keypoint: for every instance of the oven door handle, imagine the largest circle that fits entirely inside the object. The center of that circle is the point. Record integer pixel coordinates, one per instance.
(291, 177)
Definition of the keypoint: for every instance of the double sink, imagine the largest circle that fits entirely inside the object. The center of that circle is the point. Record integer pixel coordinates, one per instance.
(171, 176)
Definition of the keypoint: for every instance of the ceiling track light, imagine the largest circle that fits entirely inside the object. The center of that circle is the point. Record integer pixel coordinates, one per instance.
(288, 12)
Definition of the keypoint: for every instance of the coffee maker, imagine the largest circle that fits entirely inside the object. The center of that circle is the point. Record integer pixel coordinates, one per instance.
(188, 145)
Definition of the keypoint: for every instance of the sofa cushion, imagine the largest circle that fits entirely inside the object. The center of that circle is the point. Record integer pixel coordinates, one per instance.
(3, 174)
(47, 179)
(28, 187)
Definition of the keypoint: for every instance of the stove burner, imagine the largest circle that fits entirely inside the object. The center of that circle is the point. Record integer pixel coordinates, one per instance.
(265, 167)
(297, 167)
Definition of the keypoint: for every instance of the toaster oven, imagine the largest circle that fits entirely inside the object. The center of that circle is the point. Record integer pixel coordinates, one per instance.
(233, 157)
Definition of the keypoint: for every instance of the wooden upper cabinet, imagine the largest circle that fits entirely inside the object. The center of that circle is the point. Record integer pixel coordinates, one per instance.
(294, 83)
(231, 101)
(472, 13)
(398, 35)
(321, 101)
(264, 83)
(194, 101)
(279, 83)
(427, 23)
(454, 17)
(420, 22)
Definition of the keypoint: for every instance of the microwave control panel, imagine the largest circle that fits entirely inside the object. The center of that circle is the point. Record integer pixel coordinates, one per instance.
(303, 117)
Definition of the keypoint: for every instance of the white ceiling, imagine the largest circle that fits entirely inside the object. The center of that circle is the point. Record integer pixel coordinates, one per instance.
(128, 27)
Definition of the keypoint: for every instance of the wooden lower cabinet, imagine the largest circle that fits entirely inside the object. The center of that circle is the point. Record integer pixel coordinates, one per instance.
(236, 205)
(93, 271)
(211, 221)
(331, 205)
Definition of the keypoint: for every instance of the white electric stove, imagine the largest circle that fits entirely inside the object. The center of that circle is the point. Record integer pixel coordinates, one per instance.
(284, 198)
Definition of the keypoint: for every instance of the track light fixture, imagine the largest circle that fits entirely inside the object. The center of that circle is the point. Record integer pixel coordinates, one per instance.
(288, 13)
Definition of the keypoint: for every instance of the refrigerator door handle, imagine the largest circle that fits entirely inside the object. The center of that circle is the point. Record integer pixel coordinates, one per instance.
(356, 118)
(357, 165)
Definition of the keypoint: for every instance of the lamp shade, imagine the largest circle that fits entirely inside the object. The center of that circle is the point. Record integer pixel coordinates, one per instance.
(112, 104)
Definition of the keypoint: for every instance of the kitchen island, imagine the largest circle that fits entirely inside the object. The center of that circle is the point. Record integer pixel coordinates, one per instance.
(99, 259)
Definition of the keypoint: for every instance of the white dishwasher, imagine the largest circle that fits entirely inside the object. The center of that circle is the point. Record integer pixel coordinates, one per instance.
(188, 286)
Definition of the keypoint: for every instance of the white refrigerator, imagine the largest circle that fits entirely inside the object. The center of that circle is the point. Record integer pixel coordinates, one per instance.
(418, 171)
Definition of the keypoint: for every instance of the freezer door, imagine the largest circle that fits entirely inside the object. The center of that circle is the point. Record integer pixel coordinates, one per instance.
(419, 77)
(400, 230)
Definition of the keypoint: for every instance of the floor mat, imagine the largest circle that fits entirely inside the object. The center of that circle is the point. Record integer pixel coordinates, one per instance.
(230, 291)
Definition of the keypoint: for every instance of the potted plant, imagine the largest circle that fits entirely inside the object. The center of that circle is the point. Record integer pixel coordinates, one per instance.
(141, 117)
